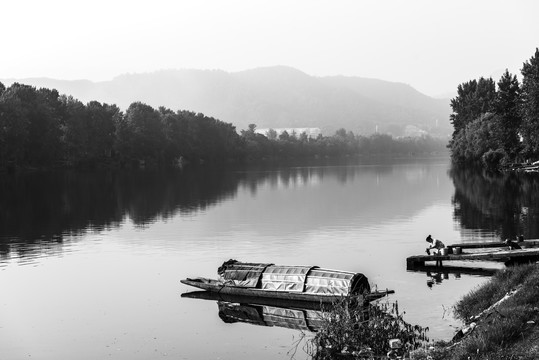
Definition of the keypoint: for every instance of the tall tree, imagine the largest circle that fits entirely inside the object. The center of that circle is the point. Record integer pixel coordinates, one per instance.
(473, 98)
(32, 120)
(75, 136)
(101, 129)
(506, 105)
(530, 106)
(140, 133)
(14, 121)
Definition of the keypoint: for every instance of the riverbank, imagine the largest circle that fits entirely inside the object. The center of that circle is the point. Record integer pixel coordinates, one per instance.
(500, 323)
(501, 320)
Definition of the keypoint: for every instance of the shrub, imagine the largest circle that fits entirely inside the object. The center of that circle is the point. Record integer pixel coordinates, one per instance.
(350, 326)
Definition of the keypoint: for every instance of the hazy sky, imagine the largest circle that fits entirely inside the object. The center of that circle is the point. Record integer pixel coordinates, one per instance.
(431, 45)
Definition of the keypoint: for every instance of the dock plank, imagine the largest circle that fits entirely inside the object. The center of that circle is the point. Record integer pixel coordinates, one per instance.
(502, 255)
(494, 244)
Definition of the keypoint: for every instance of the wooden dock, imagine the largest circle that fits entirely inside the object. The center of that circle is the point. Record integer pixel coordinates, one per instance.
(491, 245)
(507, 256)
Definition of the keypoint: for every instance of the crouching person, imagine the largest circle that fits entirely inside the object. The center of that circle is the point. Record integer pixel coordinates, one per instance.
(435, 246)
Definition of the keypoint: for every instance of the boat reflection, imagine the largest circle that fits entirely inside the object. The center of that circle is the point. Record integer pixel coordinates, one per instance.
(264, 315)
(298, 315)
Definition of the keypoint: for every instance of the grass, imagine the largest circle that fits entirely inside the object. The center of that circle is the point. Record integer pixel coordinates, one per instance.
(507, 332)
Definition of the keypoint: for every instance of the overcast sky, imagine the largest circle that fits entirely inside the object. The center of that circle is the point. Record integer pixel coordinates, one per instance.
(430, 45)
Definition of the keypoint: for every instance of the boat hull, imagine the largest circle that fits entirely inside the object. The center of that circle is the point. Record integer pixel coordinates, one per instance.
(217, 287)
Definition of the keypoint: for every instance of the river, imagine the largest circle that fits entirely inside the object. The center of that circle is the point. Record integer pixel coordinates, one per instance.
(90, 262)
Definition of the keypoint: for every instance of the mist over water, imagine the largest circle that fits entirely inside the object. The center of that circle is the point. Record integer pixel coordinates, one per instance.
(90, 262)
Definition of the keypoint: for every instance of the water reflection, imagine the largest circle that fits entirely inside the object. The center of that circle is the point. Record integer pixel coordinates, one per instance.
(299, 315)
(43, 211)
(436, 275)
(263, 315)
(504, 204)
(39, 210)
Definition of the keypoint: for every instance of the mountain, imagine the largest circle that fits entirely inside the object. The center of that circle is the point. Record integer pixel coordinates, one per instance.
(271, 97)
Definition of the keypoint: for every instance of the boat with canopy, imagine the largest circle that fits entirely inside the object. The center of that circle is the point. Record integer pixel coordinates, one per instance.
(297, 283)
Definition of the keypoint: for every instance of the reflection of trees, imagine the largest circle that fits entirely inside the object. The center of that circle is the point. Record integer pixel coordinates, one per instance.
(41, 209)
(505, 203)
(41, 212)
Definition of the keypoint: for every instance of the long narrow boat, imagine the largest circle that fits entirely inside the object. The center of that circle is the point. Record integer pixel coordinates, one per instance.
(297, 283)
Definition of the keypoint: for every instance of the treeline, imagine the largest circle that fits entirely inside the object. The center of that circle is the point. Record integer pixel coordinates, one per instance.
(497, 124)
(343, 143)
(41, 128)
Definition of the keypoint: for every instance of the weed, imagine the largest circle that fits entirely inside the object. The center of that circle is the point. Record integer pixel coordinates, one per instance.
(351, 327)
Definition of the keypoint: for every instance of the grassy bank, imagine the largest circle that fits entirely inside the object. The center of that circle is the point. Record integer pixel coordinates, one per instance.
(501, 318)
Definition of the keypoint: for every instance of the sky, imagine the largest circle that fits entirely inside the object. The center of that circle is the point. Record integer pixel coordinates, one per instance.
(431, 45)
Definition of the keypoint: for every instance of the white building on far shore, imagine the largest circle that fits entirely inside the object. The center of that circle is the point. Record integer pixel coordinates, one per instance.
(311, 132)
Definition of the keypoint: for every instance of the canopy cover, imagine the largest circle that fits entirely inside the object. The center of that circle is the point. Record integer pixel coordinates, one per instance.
(305, 279)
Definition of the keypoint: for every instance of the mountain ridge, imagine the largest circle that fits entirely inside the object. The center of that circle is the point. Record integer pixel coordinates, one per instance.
(270, 97)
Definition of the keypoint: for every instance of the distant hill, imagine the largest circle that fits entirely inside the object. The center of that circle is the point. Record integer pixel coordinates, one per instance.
(271, 97)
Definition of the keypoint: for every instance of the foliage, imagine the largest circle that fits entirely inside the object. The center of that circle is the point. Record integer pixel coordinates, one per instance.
(511, 132)
(349, 326)
(89, 131)
(530, 106)
(507, 106)
(479, 141)
(39, 127)
(474, 98)
(30, 123)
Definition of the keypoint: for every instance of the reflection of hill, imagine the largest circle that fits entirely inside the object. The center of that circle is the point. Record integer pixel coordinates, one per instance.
(505, 203)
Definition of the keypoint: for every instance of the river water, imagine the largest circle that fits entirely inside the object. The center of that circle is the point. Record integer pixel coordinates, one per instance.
(90, 262)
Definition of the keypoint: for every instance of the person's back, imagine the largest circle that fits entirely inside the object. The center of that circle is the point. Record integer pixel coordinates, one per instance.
(438, 244)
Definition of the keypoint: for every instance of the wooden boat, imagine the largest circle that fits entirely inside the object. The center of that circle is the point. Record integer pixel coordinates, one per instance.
(295, 283)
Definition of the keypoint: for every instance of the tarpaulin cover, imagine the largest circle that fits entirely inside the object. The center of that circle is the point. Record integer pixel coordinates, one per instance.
(335, 282)
(305, 279)
(241, 274)
(285, 278)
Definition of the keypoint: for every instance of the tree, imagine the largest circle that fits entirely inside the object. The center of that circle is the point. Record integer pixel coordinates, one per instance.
(530, 106)
(284, 136)
(89, 131)
(250, 133)
(272, 134)
(31, 122)
(75, 136)
(45, 128)
(480, 141)
(506, 105)
(174, 131)
(473, 98)
(14, 122)
(140, 133)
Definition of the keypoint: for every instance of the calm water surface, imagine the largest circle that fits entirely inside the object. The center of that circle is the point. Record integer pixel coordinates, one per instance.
(90, 263)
